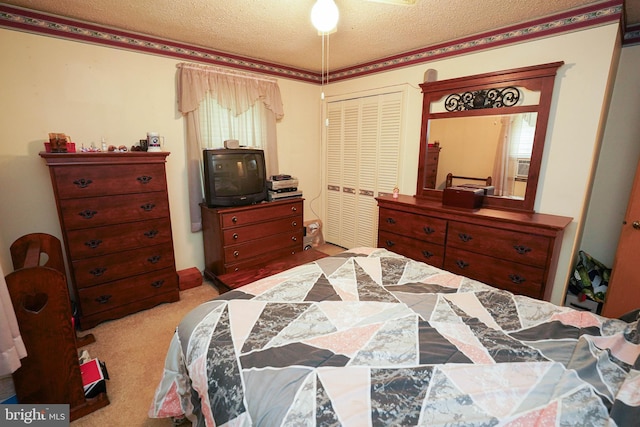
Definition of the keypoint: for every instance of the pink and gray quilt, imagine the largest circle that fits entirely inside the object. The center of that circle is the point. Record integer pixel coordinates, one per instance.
(371, 338)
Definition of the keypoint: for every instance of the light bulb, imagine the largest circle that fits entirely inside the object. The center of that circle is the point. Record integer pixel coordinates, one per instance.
(324, 15)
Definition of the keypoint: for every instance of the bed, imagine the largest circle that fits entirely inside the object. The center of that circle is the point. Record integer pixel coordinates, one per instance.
(371, 338)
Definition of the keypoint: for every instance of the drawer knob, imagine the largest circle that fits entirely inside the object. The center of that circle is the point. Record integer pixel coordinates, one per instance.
(144, 179)
(516, 278)
(93, 243)
(390, 243)
(294, 238)
(97, 272)
(294, 223)
(82, 183)
(428, 230)
(147, 207)
(465, 237)
(462, 264)
(427, 254)
(234, 219)
(235, 236)
(294, 209)
(236, 254)
(390, 220)
(87, 213)
(522, 250)
(151, 233)
(103, 299)
(154, 259)
(157, 284)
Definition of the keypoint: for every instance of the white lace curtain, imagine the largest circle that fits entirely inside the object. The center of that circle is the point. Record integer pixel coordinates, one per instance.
(235, 91)
(11, 346)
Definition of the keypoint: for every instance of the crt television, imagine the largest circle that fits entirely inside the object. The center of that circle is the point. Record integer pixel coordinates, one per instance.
(234, 177)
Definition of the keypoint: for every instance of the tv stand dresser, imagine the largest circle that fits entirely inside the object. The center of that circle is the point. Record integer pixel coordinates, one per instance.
(515, 251)
(243, 238)
(114, 214)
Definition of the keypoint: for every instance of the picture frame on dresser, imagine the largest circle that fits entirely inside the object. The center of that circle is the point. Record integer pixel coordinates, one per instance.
(114, 215)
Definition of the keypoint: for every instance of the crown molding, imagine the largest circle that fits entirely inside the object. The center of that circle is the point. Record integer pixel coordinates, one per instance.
(55, 26)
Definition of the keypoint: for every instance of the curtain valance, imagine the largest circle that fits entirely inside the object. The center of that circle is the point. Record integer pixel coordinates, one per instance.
(236, 91)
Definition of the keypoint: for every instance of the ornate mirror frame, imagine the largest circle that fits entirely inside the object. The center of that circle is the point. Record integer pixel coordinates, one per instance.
(491, 94)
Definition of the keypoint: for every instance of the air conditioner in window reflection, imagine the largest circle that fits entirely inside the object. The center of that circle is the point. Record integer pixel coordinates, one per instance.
(522, 168)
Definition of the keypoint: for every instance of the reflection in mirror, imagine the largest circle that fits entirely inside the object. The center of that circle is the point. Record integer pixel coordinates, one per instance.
(491, 127)
(496, 146)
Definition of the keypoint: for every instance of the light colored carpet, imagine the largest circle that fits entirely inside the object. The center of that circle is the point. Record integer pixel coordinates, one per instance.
(134, 348)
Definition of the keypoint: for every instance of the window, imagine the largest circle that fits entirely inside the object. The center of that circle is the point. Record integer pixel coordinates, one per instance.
(218, 124)
(523, 128)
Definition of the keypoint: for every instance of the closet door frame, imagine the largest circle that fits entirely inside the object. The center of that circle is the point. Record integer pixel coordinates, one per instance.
(350, 209)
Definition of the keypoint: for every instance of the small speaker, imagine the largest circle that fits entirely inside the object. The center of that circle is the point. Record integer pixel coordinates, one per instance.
(430, 75)
(231, 143)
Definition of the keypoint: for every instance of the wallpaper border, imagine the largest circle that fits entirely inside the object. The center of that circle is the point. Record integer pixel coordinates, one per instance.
(50, 25)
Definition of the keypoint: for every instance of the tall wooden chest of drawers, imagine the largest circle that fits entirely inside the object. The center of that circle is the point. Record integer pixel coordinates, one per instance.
(241, 238)
(114, 214)
(431, 165)
(514, 251)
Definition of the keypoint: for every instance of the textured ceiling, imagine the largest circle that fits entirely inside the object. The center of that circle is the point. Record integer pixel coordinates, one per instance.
(280, 31)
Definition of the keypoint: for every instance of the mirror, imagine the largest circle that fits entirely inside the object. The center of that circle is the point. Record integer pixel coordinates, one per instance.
(486, 129)
(496, 146)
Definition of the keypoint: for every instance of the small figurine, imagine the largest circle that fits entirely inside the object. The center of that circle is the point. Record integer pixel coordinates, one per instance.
(396, 190)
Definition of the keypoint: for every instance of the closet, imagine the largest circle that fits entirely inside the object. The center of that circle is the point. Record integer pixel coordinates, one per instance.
(362, 161)
(623, 294)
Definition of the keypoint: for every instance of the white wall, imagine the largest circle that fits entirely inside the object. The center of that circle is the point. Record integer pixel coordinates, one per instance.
(87, 91)
(90, 92)
(617, 164)
(573, 134)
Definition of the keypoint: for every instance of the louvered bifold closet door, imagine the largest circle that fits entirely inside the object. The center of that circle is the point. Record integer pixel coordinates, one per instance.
(363, 151)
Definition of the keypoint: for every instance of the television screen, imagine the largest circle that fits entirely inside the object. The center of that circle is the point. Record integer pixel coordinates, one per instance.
(234, 177)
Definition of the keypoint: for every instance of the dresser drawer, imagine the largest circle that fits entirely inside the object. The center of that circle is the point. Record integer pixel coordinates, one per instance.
(249, 233)
(92, 271)
(99, 180)
(517, 278)
(420, 227)
(260, 214)
(419, 250)
(112, 295)
(509, 245)
(100, 211)
(263, 259)
(244, 251)
(90, 242)
(432, 158)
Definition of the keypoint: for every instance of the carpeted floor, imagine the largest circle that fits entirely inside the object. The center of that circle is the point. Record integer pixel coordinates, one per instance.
(133, 349)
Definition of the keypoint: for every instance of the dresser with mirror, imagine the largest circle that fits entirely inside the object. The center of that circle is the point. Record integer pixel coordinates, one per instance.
(488, 128)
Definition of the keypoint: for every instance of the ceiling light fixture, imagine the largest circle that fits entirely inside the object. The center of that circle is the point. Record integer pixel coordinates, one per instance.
(325, 15)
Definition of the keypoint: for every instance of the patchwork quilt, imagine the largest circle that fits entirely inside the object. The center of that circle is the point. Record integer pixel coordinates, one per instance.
(371, 338)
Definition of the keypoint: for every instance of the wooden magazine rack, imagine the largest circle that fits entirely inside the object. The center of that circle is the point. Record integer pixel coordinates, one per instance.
(51, 371)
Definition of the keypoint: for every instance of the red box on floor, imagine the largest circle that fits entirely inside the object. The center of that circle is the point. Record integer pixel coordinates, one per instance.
(92, 378)
(189, 278)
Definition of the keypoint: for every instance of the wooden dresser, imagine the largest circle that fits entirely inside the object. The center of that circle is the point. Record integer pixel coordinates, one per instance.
(241, 238)
(514, 251)
(431, 165)
(114, 214)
